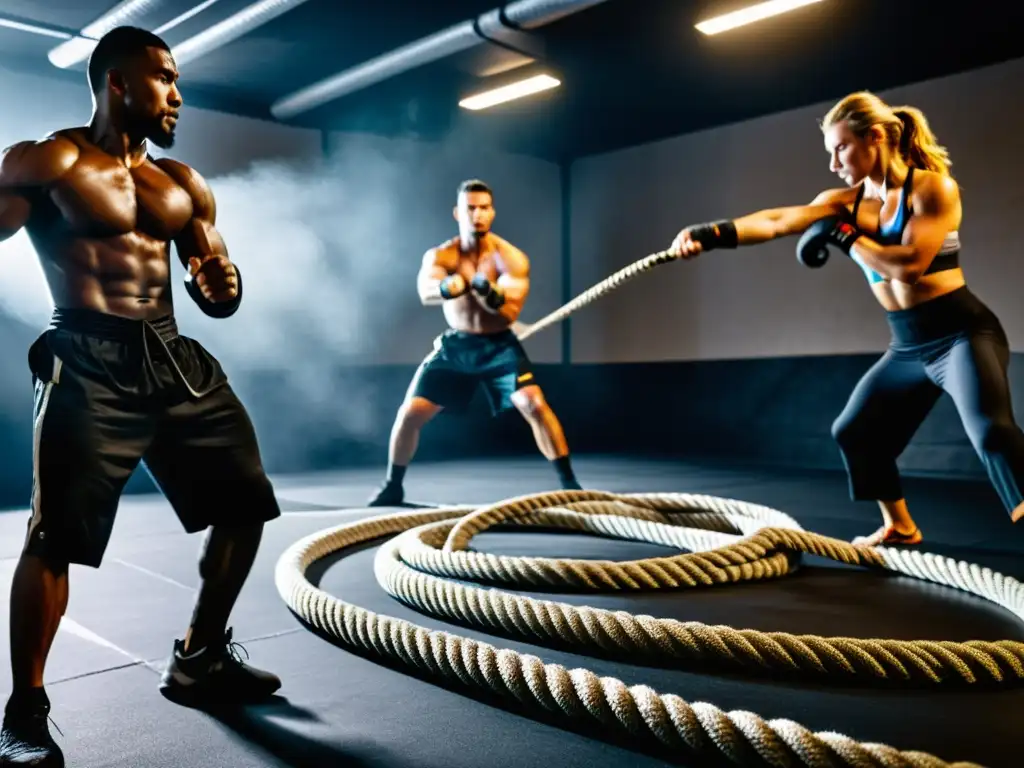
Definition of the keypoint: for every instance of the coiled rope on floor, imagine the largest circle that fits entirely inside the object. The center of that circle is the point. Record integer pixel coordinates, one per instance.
(729, 541)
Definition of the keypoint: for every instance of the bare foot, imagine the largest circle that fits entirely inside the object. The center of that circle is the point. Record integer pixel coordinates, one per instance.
(888, 536)
(1017, 514)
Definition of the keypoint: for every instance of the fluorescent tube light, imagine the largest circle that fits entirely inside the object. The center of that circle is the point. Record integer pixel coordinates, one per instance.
(749, 15)
(182, 18)
(77, 49)
(70, 52)
(509, 92)
(33, 29)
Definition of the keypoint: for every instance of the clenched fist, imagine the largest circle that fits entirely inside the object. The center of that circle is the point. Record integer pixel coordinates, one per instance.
(701, 238)
(685, 246)
(216, 278)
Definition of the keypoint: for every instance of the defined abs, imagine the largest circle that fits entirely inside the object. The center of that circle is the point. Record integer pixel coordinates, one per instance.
(115, 275)
(894, 295)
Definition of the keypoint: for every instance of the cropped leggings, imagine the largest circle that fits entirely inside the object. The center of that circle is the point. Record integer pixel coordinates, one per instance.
(952, 344)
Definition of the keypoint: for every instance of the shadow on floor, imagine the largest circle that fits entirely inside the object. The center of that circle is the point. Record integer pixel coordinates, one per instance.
(284, 730)
(679, 754)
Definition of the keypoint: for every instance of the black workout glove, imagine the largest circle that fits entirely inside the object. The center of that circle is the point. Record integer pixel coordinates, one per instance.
(216, 309)
(491, 293)
(812, 250)
(452, 287)
(715, 234)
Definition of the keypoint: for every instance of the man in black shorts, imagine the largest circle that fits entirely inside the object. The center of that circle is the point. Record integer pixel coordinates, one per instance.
(481, 282)
(116, 384)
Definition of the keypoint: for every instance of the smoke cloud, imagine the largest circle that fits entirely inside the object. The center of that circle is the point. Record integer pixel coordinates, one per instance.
(328, 250)
(23, 291)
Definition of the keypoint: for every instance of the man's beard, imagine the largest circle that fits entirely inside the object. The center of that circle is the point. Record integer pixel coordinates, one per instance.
(161, 137)
(152, 129)
(475, 238)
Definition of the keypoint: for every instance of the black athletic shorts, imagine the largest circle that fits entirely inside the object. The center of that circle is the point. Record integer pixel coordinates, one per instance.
(461, 362)
(110, 392)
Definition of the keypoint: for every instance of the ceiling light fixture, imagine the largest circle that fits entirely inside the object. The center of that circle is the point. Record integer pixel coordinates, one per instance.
(78, 49)
(517, 90)
(183, 17)
(33, 29)
(750, 14)
(491, 27)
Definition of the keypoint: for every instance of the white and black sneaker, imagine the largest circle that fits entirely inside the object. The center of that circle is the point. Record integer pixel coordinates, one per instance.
(215, 676)
(25, 739)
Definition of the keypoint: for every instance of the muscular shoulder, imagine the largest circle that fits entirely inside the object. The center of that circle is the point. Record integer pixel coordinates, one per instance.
(934, 192)
(838, 197)
(515, 261)
(37, 163)
(451, 244)
(192, 182)
(445, 254)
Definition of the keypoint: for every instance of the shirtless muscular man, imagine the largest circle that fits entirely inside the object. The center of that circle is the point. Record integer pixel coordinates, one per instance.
(116, 384)
(481, 282)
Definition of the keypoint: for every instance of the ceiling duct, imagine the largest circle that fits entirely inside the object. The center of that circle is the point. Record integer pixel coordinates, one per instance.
(230, 29)
(506, 27)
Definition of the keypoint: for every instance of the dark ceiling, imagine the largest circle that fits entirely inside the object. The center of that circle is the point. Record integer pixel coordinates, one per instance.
(632, 71)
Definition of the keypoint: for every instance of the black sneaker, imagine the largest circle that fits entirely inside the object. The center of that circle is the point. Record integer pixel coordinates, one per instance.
(26, 740)
(390, 495)
(215, 676)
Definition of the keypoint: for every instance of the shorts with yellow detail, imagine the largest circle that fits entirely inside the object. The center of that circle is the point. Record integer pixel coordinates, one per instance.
(460, 363)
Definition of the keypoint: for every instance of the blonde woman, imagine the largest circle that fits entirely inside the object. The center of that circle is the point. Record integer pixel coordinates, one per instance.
(898, 219)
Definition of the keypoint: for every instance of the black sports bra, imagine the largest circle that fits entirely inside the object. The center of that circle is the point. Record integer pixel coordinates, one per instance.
(891, 232)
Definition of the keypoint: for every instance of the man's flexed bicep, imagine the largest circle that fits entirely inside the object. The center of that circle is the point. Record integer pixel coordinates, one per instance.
(214, 282)
(26, 169)
(199, 241)
(437, 281)
(514, 281)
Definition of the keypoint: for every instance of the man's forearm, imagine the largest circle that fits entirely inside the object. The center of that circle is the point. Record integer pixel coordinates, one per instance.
(435, 289)
(430, 291)
(428, 285)
(492, 303)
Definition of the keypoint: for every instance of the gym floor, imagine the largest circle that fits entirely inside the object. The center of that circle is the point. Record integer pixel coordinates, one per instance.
(337, 707)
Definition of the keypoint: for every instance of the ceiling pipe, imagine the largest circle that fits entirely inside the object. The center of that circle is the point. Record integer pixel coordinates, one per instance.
(230, 29)
(533, 14)
(503, 26)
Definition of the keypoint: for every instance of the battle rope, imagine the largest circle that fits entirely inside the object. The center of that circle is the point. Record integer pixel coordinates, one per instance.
(524, 331)
(729, 541)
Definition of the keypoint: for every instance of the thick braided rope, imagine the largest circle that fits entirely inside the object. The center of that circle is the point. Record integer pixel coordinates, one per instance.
(579, 694)
(408, 565)
(595, 292)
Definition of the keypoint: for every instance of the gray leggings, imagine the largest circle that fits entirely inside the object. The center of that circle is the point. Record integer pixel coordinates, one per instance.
(924, 360)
